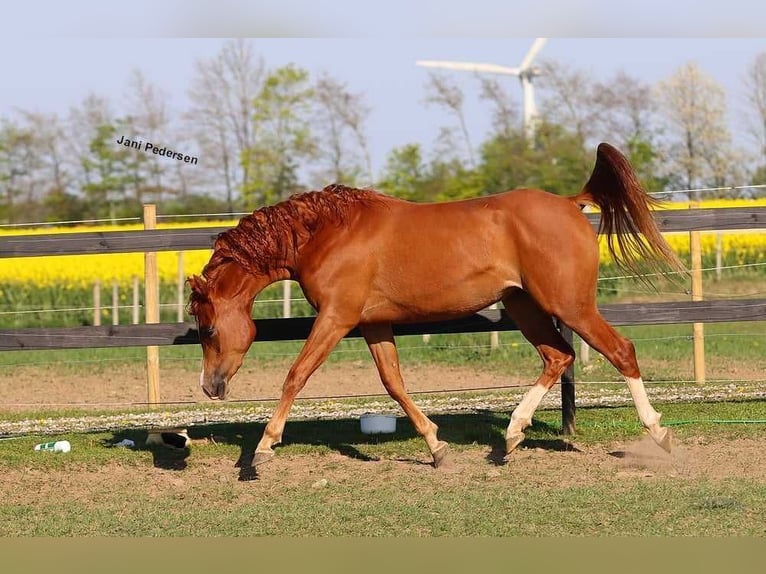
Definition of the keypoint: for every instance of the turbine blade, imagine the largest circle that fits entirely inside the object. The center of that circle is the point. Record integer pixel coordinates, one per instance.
(468, 67)
(537, 45)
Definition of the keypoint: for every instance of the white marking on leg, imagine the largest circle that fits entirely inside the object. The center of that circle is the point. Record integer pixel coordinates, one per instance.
(646, 414)
(522, 414)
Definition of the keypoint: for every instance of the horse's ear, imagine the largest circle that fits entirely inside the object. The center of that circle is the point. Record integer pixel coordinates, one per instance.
(198, 293)
(196, 283)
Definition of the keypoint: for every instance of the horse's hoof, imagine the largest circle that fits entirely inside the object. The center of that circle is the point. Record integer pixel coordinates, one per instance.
(440, 454)
(664, 438)
(262, 457)
(512, 442)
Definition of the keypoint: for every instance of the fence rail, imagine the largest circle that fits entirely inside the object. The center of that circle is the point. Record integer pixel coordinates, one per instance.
(723, 219)
(297, 328)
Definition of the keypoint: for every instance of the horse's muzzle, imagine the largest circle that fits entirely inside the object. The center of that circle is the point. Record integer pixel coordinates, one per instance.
(215, 388)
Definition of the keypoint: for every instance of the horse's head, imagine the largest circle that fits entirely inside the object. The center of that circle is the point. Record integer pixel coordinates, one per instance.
(222, 310)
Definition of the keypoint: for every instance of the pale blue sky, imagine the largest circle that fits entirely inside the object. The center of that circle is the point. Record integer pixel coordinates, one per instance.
(52, 54)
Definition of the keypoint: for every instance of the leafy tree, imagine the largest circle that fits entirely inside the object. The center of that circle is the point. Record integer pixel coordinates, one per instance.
(281, 122)
(452, 180)
(110, 174)
(194, 203)
(558, 164)
(404, 174)
(18, 162)
(61, 205)
(645, 158)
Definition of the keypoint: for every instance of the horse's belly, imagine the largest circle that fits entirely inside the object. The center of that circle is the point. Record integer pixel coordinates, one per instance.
(434, 301)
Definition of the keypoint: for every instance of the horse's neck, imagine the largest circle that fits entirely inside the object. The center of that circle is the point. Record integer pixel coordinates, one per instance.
(244, 283)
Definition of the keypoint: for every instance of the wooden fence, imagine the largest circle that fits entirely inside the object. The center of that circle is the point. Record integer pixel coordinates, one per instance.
(151, 335)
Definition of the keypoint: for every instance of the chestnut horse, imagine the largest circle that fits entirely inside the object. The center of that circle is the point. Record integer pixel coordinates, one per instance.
(368, 260)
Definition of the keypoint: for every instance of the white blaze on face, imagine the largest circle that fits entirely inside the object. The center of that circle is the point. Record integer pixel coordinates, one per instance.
(202, 378)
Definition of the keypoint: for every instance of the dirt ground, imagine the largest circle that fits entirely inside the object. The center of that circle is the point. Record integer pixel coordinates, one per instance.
(694, 458)
(640, 460)
(33, 386)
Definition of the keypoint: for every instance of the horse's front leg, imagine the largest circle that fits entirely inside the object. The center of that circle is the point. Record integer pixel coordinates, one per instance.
(325, 334)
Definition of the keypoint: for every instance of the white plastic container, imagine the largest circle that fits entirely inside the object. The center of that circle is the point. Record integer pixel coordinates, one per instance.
(377, 424)
(56, 446)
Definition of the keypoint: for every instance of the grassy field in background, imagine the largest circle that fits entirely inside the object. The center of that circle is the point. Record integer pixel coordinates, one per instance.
(665, 351)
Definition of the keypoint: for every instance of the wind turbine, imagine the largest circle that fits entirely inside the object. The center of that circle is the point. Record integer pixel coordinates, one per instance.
(525, 71)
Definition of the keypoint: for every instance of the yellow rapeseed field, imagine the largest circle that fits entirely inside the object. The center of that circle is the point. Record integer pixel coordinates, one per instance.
(77, 271)
(737, 247)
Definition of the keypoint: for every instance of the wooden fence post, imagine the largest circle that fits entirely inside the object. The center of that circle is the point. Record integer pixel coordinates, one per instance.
(115, 303)
(698, 328)
(494, 336)
(286, 299)
(584, 352)
(136, 316)
(567, 387)
(181, 303)
(718, 255)
(97, 303)
(151, 301)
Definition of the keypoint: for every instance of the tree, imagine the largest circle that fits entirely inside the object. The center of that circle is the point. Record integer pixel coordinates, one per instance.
(408, 176)
(626, 108)
(110, 174)
(646, 159)
(694, 107)
(281, 121)
(149, 120)
(558, 163)
(222, 94)
(81, 128)
(55, 176)
(505, 115)
(404, 174)
(341, 114)
(442, 92)
(569, 100)
(755, 85)
(19, 163)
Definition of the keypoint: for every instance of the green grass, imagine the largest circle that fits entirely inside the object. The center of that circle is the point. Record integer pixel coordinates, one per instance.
(660, 509)
(158, 492)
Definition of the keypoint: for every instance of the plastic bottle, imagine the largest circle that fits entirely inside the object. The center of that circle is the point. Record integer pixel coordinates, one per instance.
(57, 446)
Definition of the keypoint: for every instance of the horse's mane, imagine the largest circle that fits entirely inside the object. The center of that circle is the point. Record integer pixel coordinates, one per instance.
(271, 233)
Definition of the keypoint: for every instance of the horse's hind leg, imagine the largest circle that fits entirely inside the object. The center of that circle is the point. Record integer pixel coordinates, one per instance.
(538, 328)
(380, 339)
(600, 335)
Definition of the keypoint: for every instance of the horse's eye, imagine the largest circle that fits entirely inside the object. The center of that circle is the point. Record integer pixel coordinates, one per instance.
(205, 332)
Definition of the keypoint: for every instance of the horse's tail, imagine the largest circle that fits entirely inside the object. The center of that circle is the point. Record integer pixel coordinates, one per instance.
(633, 238)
